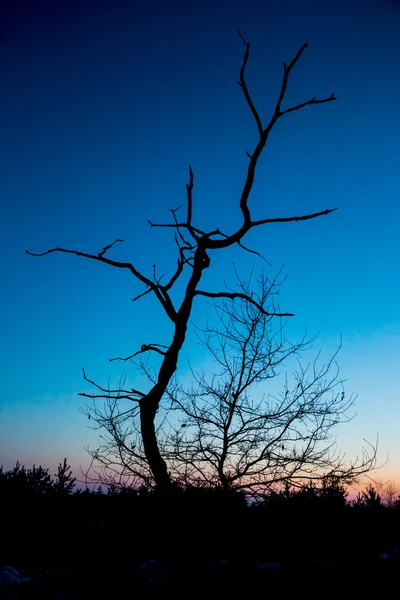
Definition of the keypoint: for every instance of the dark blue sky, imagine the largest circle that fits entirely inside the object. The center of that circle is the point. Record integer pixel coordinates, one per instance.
(103, 106)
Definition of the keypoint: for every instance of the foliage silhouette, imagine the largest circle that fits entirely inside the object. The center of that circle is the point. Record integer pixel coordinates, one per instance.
(21, 482)
(205, 535)
(64, 483)
(368, 498)
(330, 495)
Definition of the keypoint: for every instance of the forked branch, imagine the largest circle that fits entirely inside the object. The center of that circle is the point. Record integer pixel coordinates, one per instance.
(121, 393)
(208, 239)
(159, 291)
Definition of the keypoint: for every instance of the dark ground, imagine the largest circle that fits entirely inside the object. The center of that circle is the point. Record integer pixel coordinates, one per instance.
(82, 547)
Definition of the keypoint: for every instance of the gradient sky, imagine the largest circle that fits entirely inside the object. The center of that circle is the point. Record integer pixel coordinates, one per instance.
(104, 105)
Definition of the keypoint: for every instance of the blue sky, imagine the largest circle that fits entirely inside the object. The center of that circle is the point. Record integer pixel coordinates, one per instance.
(104, 105)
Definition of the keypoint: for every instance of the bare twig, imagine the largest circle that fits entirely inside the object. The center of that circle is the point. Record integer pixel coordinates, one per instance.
(109, 392)
(142, 294)
(102, 253)
(239, 243)
(189, 190)
(144, 348)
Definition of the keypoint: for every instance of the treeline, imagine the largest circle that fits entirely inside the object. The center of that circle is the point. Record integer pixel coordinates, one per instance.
(312, 522)
(22, 483)
(36, 481)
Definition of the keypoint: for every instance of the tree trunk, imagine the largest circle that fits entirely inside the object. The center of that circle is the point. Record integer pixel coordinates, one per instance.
(150, 404)
(156, 462)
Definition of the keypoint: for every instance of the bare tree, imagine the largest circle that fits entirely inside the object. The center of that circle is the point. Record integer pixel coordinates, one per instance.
(193, 248)
(389, 493)
(249, 426)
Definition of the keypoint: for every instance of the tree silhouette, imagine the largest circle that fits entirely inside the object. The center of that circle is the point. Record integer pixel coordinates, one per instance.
(330, 495)
(20, 481)
(237, 433)
(64, 482)
(193, 249)
(368, 498)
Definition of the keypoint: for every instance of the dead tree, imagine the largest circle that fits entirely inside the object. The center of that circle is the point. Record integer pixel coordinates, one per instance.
(193, 247)
(251, 426)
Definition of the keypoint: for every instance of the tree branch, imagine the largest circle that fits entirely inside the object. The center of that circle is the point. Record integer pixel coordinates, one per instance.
(235, 238)
(293, 219)
(144, 348)
(162, 297)
(189, 190)
(142, 294)
(102, 253)
(249, 299)
(263, 137)
(243, 85)
(110, 392)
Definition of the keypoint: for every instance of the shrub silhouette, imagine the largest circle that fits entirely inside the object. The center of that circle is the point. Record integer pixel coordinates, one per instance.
(368, 498)
(36, 481)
